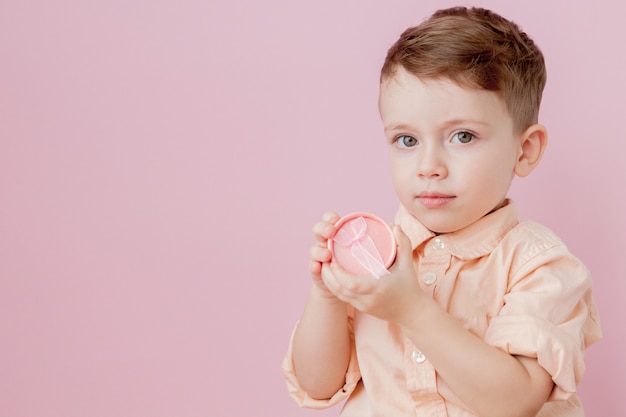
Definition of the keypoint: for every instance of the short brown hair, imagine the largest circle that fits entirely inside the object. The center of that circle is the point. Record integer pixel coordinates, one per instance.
(476, 48)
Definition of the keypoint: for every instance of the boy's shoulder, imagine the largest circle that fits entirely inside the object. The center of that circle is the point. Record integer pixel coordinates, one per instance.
(530, 244)
(533, 234)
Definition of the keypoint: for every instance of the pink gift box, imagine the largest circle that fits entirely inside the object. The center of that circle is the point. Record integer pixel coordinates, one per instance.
(363, 244)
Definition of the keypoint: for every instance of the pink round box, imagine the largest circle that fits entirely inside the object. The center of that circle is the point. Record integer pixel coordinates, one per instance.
(369, 233)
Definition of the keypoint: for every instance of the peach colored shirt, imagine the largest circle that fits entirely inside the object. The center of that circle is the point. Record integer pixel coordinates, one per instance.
(513, 284)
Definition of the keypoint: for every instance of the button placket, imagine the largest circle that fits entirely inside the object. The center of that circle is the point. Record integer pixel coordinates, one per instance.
(432, 265)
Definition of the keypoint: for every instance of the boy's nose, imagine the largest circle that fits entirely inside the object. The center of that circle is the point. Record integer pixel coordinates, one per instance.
(431, 164)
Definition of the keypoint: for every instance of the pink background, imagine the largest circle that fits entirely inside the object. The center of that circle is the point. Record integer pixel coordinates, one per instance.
(162, 163)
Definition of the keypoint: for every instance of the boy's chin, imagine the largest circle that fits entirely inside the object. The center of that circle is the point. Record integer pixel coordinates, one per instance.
(440, 223)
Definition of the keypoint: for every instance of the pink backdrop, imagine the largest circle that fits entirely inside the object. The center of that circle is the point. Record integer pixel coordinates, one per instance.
(162, 163)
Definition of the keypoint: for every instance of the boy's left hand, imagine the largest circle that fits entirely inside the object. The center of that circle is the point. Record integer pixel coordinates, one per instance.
(394, 297)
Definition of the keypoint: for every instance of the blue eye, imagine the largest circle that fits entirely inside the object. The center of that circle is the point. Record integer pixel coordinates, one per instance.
(405, 141)
(463, 137)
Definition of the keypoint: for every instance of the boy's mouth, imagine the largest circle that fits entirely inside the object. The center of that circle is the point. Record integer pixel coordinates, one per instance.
(434, 200)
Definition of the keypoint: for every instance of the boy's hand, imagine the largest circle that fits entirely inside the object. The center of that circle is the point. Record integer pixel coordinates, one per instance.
(394, 297)
(319, 253)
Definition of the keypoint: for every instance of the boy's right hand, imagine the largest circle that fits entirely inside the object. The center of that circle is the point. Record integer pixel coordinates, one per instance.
(320, 254)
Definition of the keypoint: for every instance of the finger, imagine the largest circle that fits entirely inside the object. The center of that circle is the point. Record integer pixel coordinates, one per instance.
(323, 231)
(405, 247)
(320, 253)
(352, 285)
(315, 267)
(330, 217)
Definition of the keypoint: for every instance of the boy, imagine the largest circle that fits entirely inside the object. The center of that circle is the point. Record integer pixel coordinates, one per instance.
(480, 315)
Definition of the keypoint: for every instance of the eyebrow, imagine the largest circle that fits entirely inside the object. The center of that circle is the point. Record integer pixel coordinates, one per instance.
(397, 127)
(446, 124)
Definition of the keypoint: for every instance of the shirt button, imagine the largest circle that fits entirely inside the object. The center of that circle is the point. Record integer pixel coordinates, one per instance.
(439, 243)
(429, 278)
(418, 356)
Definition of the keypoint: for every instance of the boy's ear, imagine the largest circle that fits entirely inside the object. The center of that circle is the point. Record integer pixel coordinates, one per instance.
(533, 143)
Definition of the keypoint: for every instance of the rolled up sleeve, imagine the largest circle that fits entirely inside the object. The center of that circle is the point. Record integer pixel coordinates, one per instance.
(549, 314)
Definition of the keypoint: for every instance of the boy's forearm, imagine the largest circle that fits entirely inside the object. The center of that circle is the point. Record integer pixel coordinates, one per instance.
(489, 381)
(321, 346)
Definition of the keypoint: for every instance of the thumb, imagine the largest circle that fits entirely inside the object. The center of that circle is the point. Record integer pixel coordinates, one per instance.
(405, 248)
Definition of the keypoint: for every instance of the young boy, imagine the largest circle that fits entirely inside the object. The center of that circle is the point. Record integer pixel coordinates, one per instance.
(481, 314)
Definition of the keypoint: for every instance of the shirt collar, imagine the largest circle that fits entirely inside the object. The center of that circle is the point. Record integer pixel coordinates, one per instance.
(476, 240)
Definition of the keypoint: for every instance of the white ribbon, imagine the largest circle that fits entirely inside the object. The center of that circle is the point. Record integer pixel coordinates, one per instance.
(362, 248)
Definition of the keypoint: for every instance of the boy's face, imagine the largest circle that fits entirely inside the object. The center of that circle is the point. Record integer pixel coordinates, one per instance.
(453, 150)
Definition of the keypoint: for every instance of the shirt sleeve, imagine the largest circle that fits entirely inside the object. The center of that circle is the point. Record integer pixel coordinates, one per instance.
(353, 376)
(549, 314)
